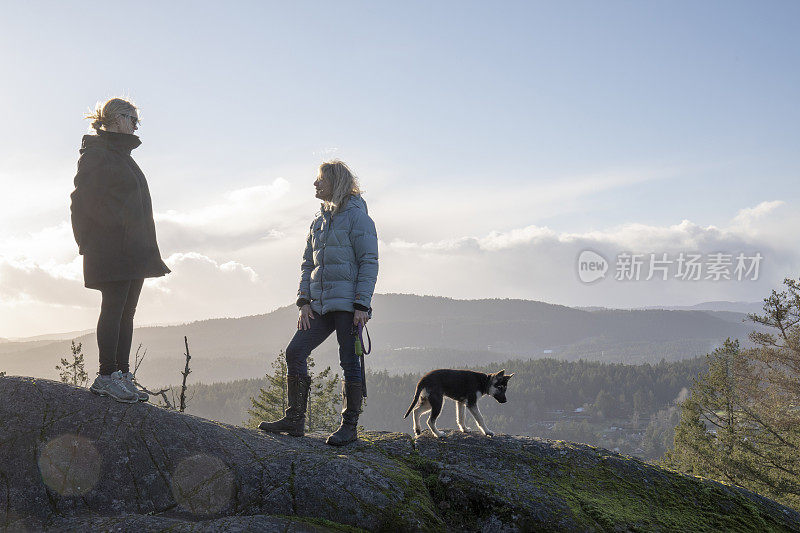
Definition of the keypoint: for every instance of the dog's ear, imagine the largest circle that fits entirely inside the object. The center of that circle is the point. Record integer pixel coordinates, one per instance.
(509, 376)
(500, 374)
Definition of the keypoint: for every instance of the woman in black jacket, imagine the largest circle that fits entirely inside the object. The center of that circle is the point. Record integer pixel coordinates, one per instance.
(112, 220)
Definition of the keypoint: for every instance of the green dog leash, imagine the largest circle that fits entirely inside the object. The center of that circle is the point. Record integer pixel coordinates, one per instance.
(359, 341)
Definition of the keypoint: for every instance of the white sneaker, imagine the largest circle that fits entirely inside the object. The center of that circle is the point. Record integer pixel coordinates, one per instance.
(127, 380)
(113, 386)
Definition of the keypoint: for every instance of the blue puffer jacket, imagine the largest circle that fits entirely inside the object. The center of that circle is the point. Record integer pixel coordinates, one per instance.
(340, 263)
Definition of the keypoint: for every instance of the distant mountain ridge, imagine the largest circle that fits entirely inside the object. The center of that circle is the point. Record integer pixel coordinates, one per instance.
(717, 305)
(720, 305)
(67, 335)
(413, 333)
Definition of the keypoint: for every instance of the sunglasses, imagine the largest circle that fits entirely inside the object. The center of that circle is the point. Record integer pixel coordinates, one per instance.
(132, 117)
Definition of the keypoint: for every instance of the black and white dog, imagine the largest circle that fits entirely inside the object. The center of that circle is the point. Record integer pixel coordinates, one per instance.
(463, 387)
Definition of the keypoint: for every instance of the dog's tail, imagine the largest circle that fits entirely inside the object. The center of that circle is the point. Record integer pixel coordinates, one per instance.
(416, 397)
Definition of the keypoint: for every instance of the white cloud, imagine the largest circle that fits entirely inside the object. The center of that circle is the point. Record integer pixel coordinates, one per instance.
(196, 264)
(773, 221)
(749, 215)
(238, 219)
(46, 246)
(750, 226)
(33, 297)
(200, 287)
(240, 209)
(40, 271)
(494, 241)
(56, 284)
(538, 263)
(240, 253)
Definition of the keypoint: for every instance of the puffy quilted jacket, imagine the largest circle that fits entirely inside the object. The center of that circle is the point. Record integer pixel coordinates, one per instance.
(340, 262)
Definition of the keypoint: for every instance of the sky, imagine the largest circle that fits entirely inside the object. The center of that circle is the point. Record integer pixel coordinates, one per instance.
(495, 142)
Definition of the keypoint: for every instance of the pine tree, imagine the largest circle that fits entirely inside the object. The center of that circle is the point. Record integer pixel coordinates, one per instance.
(272, 401)
(660, 432)
(708, 438)
(73, 372)
(772, 383)
(693, 448)
(322, 402)
(752, 401)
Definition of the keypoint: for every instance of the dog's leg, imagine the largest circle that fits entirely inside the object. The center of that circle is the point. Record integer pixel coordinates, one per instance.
(476, 414)
(460, 414)
(421, 408)
(436, 408)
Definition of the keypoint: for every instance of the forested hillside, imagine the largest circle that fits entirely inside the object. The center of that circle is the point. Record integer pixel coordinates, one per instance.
(543, 396)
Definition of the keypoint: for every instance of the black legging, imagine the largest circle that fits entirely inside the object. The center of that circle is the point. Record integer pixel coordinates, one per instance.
(115, 325)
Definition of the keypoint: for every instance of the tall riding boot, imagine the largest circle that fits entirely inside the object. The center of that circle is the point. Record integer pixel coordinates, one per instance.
(351, 395)
(294, 421)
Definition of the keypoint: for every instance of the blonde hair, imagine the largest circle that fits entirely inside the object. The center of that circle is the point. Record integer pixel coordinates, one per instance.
(106, 113)
(343, 182)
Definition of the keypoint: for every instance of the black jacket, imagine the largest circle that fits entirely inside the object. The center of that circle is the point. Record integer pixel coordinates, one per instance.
(112, 214)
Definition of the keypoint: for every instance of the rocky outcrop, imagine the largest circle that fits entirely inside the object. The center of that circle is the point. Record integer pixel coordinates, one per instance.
(70, 460)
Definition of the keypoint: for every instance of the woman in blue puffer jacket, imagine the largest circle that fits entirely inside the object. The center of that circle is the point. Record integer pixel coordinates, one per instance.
(338, 274)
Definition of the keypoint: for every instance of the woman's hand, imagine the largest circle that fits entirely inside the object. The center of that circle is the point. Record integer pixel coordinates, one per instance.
(306, 316)
(360, 317)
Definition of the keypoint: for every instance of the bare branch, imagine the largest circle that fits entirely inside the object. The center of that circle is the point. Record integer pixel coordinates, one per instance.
(185, 374)
(138, 359)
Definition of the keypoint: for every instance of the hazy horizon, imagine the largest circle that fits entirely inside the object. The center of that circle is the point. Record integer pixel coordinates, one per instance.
(410, 333)
(71, 333)
(489, 164)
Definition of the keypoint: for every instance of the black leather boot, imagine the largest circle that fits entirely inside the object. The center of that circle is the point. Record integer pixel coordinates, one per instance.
(347, 432)
(294, 421)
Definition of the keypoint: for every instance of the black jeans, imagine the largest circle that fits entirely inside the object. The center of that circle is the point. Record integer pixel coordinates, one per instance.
(305, 340)
(115, 325)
